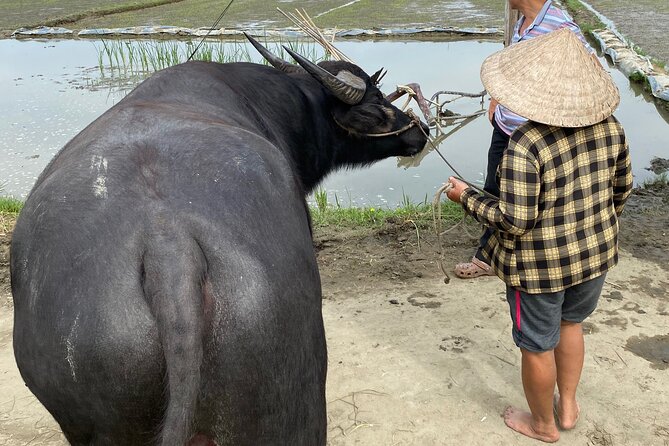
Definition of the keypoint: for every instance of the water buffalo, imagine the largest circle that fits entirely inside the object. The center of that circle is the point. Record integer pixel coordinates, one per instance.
(165, 285)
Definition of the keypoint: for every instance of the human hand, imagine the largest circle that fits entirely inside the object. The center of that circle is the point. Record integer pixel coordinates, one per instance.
(491, 109)
(456, 191)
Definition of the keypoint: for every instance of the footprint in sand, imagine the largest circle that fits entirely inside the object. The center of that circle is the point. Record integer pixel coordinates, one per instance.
(456, 344)
(424, 299)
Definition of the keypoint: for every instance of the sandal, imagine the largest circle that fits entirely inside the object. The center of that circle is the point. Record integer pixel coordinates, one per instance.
(475, 268)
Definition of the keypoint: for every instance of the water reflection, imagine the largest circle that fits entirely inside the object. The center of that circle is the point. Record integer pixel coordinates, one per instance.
(446, 116)
(50, 90)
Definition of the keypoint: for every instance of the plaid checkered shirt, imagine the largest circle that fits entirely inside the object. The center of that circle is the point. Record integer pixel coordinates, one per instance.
(556, 220)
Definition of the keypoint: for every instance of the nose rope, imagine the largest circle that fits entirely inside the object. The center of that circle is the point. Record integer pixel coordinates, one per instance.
(415, 120)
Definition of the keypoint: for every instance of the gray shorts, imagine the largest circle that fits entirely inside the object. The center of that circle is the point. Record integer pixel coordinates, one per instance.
(537, 317)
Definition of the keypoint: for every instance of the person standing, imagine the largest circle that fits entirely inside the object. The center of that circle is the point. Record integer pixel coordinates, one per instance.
(563, 182)
(538, 17)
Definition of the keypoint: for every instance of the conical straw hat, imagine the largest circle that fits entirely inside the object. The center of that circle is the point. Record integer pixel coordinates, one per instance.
(551, 79)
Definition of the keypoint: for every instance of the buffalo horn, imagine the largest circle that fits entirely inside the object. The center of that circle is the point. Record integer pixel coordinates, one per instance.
(346, 86)
(276, 62)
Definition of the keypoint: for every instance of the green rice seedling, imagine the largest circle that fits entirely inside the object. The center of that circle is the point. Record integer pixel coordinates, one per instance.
(124, 63)
(108, 51)
(135, 60)
(145, 59)
(174, 54)
(131, 55)
(101, 65)
(205, 53)
(116, 56)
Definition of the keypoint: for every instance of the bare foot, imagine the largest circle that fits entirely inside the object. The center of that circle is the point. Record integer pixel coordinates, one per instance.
(567, 415)
(521, 422)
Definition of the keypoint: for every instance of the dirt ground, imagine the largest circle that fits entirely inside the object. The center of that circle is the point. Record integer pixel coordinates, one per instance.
(415, 361)
(644, 22)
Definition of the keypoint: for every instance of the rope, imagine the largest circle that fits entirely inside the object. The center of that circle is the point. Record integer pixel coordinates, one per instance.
(436, 217)
(414, 121)
(210, 29)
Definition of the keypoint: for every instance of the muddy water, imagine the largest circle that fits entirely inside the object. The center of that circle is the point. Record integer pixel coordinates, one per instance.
(45, 100)
(52, 90)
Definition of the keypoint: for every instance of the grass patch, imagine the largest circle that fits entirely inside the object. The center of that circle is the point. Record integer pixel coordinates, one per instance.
(324, 213)
(420, 215)
(9, 205)
(637, 77)
(574, 5)
(640, 78)
(587, 21)
(9, 210)
(659, 183)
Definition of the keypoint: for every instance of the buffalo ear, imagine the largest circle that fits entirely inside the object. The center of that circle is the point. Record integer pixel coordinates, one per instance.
(347, 119)
(376, 77)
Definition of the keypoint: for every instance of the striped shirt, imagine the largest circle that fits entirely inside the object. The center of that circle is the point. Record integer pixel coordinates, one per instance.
(550, 18)
(561, 193)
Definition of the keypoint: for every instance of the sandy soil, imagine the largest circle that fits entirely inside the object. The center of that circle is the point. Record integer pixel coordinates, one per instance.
(415, 361)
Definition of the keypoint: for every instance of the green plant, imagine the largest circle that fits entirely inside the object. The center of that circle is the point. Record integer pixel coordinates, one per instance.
(586, 19)
(321, 197)
(9, 205)
(124, 59)
(637, 76)
(419, 215)
(659, 182)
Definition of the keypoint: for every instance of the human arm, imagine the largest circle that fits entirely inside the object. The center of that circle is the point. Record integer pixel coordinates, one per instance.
(517, 209)
(622, 181)
(491, 109)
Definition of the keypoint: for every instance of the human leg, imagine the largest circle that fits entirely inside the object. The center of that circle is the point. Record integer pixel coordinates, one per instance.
(579, 302)
(538, 375)
(569, 355)
(536, 331)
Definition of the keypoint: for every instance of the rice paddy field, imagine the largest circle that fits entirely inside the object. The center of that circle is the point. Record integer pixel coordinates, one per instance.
(644, 22)
(250, 13)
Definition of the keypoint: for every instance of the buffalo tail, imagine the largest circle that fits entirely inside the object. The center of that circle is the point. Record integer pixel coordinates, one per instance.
(174, 270)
